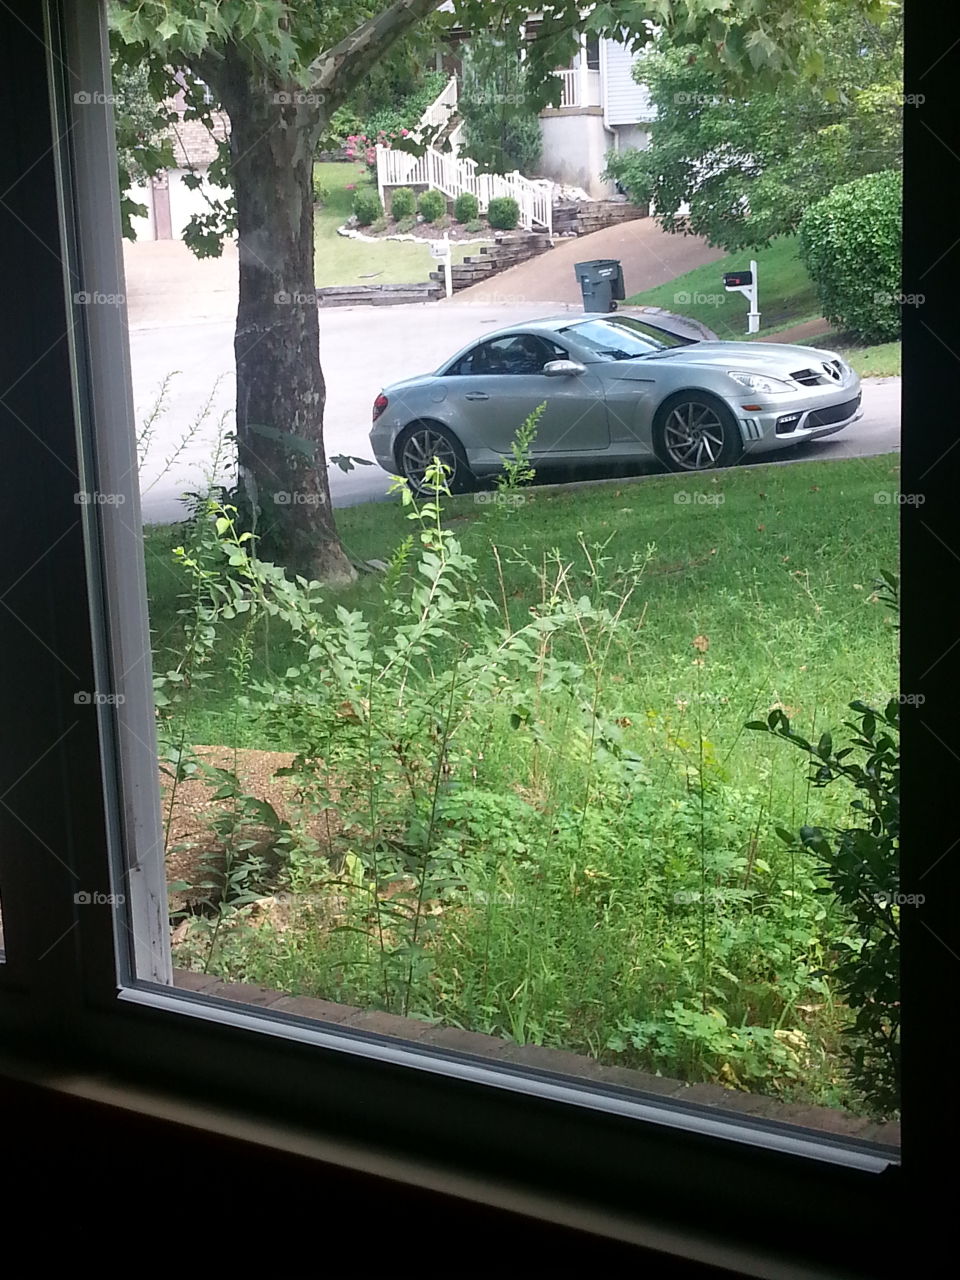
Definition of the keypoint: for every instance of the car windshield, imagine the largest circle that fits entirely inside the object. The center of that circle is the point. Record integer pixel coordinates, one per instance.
(623, 338)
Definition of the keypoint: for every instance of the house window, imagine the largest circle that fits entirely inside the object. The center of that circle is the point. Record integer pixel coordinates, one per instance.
(593, 53)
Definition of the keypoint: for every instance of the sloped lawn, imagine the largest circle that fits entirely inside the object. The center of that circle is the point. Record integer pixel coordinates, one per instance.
(340, 260)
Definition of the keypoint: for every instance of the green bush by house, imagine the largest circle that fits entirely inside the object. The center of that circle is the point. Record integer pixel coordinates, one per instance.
(431, 206)
(367, 207)
(850, 244)
(503, 213)
(402, 203)
(466, 207)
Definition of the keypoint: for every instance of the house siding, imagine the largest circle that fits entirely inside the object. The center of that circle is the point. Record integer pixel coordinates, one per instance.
(626, 101)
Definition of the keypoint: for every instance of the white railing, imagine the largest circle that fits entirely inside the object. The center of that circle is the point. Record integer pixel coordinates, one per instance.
(443, 106)
(455, 138)
(448, 173)
(570, 92)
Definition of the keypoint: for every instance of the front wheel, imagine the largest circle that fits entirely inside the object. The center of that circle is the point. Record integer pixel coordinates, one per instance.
(694, 432)
(417, 448)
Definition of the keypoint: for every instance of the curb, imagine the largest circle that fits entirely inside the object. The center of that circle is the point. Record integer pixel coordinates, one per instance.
(684, 326)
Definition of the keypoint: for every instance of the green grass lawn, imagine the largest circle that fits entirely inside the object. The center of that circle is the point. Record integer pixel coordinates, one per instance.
(787, 298)
(340, 260)
(595, 864)
(882, 360)
(776, 568)
(787, 295)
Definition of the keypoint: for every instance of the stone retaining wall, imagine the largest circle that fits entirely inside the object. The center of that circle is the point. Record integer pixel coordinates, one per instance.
(377, 295)
(579, 218)
(509, 248)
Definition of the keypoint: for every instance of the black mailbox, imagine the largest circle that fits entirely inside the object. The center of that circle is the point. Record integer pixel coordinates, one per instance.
(734, 278)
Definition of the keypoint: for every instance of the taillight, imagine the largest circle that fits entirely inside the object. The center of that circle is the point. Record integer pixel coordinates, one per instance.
(379, 405)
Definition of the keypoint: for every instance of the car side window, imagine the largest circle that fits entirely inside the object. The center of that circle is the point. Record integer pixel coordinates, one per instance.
(517, 353)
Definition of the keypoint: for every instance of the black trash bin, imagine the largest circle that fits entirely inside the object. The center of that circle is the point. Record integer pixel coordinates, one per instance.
(601, 283)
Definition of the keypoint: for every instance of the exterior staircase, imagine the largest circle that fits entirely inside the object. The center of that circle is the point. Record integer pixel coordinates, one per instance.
(446, 171)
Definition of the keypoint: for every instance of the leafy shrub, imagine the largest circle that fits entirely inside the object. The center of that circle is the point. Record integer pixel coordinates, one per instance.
(432, 205)
(503, 213)
(402, 203)
(409, 107)
(850, 244)
(860, 865)
(343, 123)
(367, 207)
(474, 225)
(501, 128)
(466, 207)
(485, 833)
(406, 224)
(321, 192)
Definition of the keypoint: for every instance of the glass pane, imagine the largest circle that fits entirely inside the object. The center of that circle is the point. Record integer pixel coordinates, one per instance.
(541, 752)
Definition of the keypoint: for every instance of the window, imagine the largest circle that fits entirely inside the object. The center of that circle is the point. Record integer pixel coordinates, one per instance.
(593, 53)
(687, 1160)
(516, 354)
(623, 338)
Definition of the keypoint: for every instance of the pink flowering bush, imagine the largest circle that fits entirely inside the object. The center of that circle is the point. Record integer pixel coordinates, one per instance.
(363, 147)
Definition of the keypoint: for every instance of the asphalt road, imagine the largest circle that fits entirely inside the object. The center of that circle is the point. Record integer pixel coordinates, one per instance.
(362, 349)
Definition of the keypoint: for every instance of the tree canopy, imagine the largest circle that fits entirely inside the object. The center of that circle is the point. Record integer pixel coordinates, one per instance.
(749, 163)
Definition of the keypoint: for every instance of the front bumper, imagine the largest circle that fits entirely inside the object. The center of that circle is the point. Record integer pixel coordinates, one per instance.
(794, 419)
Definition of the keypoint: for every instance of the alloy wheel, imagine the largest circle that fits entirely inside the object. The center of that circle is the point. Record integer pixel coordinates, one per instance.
(418, 452)
(694, 436)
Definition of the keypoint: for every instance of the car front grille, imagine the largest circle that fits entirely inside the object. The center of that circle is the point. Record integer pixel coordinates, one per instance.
(829, 372)
(833, 413)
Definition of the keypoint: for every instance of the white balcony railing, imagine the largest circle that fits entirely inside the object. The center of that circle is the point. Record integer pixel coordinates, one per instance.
(570, 91)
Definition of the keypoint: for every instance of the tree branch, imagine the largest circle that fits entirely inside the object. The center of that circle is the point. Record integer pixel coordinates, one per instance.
(348, 61)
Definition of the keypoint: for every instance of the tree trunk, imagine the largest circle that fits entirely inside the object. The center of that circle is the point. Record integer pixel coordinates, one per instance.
(280, 386)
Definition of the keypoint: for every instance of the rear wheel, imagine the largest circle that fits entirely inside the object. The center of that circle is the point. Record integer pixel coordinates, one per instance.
(694, 432)
(418, 446)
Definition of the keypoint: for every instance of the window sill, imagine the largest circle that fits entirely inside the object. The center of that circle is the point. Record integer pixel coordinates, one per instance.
(828, 1121)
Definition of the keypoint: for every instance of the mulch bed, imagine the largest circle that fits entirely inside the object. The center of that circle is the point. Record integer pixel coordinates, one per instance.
(195, 852)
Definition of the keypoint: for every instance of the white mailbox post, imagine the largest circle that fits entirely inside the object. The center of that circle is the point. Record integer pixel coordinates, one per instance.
(440, 250)
(745, 282)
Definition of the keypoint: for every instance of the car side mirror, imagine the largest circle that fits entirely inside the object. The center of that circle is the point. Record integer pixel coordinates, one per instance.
(563, 368)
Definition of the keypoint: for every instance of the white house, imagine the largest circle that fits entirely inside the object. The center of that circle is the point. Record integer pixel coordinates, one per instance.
(602, 108)
(169, 201)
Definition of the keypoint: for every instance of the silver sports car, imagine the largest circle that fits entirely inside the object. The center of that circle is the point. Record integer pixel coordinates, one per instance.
(616, 389)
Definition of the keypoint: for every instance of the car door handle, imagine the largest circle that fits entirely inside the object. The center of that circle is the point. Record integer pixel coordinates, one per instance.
(476, 395)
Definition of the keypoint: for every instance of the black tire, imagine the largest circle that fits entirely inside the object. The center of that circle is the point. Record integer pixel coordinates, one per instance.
(694, 432)
(417, 446)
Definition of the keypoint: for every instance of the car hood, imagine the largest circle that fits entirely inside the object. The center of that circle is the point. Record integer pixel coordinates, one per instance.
(776, 358)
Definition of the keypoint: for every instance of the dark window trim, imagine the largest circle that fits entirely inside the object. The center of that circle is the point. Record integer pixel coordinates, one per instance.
(62, 1005)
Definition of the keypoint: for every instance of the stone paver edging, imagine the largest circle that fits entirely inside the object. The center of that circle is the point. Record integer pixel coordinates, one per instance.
(351, 233)
(824, 1120)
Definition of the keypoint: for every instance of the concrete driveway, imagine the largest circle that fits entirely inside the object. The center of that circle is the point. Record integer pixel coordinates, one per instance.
(181, 323)
(650, 257)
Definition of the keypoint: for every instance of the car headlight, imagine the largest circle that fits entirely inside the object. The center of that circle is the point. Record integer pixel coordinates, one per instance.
(757, 382)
